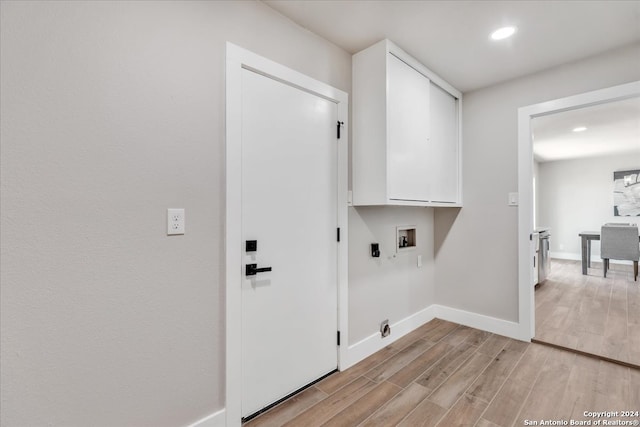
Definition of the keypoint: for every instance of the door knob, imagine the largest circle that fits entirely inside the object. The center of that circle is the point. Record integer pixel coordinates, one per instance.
(252, 269)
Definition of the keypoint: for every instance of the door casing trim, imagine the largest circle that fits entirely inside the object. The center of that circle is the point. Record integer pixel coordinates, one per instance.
(238, 58)
(526, 309)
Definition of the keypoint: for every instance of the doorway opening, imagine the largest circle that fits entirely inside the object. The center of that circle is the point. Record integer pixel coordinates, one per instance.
(574, 188)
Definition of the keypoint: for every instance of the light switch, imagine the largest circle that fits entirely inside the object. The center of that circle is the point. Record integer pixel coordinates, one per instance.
(513, 199)
(419, 261)
(175, 221)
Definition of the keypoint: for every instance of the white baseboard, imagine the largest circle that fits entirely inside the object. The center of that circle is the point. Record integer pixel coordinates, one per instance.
(217, 419)
(480, 321)
(375, 342)
(569, 255)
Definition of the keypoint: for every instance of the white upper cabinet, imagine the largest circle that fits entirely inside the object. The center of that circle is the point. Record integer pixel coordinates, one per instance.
(406, 140)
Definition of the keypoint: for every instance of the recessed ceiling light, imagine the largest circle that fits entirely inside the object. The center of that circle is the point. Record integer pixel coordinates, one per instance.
(579, 129)
(503, 33)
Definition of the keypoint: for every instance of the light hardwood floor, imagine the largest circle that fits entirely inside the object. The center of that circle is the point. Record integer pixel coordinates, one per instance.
(590, 313)
(449, 375)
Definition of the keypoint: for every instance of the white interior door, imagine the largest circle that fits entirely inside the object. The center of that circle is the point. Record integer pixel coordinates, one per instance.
(289, 206)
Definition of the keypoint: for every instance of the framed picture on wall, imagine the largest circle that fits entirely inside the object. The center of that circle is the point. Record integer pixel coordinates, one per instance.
(626, 193)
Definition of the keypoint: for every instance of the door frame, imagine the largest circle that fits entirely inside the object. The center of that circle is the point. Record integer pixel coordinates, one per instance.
(526, 304)
(238, 59)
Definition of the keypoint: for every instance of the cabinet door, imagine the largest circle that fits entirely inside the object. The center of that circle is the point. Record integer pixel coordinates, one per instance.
(407, 132)
(444, 147)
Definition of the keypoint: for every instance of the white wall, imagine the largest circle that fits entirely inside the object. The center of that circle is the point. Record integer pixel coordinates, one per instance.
(111, 113)
(391, 286)
(577, 195)
(477, 253)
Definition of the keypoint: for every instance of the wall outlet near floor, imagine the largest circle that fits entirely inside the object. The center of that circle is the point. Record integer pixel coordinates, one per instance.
(385, 329)
(175, 221)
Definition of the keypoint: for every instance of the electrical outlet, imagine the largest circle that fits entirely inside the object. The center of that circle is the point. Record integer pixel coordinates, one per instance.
(175, 221)
(385, 329)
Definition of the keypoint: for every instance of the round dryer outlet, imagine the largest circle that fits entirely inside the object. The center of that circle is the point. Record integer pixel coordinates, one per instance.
(385, 329)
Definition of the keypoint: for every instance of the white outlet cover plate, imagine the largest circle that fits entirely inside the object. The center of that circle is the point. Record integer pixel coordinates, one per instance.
(175, 221)
(513, 199)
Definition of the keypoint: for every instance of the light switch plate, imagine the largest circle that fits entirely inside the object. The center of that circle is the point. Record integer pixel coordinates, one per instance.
(175, 221)
(513, 199)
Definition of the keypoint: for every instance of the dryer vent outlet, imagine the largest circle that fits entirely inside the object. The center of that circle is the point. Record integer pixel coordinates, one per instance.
(385, 329)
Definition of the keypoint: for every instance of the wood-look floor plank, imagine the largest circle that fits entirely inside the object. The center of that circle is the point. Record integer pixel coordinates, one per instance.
(590, 342)
(440, 371)
(493, 345)
(615, 343)
(363, 407)
(465, 386)
(465, 412)
(633, 302)
(517, 345)
(289, 409)
(457, 336)
(506, 405)
(333, 404)
(411, 337)
(490, 381)
(397, 408)
(485, 423)
(580, 394)
(601, 311)
(634, 387)
(477, 337)
(549, 388)
(414, 335)
(613, 387)
(426, 414)
(449, 391)
(338, 380)
(420, 364)
(396, 362)
(633, 330)
(440, 331)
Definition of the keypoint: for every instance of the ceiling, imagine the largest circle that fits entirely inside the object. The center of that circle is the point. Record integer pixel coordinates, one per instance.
(612, 128)
(452, 37)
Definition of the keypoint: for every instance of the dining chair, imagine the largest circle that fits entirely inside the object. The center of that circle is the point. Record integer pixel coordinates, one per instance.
(622, 243)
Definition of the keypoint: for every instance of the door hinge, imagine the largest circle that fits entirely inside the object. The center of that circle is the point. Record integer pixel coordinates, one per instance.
(338, 337)
(338, 236)
(339, 125)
